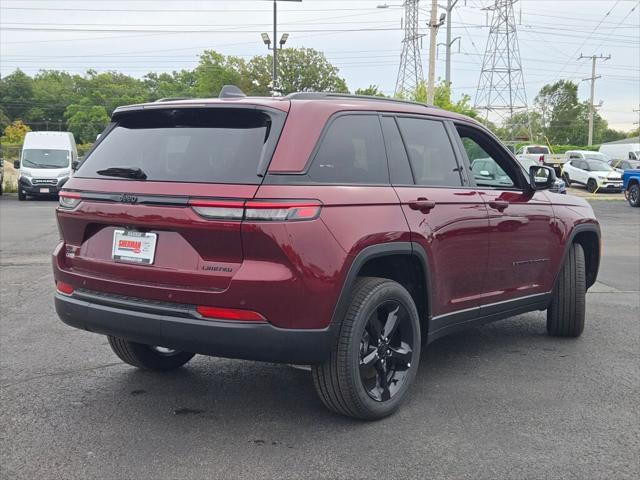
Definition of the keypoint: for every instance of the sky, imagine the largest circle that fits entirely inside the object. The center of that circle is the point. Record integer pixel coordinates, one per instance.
(363, 41)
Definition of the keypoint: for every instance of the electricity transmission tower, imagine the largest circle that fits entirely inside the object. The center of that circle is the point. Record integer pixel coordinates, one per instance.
(501, 92)
(410, 71)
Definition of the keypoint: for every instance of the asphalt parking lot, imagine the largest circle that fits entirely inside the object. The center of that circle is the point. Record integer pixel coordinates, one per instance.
(501, 401)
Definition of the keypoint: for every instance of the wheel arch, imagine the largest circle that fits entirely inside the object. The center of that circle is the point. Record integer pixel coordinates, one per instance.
(588, 236)
(403, 262)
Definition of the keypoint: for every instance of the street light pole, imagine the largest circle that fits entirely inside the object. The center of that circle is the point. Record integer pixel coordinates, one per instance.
(450, 5)
(275, 46)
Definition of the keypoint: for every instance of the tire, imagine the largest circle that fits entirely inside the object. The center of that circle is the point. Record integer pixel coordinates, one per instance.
(592, 186)
(566, 312)
(147, 357)
(566, 179)
(345, 383)
(633, 195)
(21, 196)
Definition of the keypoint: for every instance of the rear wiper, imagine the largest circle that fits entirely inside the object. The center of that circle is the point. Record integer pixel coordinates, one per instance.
(125, 172)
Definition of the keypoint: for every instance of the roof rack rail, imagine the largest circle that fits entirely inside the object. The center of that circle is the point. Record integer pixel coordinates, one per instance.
(327, 95)
(171, 99)
(231, 91)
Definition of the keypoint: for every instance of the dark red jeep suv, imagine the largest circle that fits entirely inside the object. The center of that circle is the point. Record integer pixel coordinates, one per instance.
(336, 231)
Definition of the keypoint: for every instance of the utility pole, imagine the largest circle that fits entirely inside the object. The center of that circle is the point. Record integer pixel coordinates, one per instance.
(434, 24)
(593, 79)
(450, 6)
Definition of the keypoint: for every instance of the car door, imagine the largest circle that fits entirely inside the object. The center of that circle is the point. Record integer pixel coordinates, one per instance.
(580, 171)
(447, 218)
(524, 242)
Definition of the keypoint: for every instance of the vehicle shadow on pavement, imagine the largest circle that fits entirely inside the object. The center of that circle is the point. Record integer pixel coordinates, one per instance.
(215, 391)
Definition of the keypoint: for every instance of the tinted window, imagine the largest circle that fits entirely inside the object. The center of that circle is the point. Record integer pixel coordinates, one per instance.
(213, 145)
(398, 161)
(430, 152)
(352, 151)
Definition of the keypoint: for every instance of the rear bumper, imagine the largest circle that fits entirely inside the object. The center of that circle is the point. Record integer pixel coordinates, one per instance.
(175, 328)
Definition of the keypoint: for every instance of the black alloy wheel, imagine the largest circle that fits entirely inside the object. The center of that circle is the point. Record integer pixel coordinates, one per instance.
(386, 350)
(376, 353)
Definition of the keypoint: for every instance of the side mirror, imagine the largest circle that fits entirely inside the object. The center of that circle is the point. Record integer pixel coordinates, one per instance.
(76, 163)
(541, 177)
(16, 164)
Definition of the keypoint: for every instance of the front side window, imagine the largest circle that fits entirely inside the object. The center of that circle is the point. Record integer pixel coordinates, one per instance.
(431, 154)
(351, 152)
(490, 166)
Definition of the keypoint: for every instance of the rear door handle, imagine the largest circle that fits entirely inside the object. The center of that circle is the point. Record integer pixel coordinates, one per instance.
(422, 204)
(499, 205)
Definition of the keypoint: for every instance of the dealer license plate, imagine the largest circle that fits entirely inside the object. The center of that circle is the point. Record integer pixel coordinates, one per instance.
(134, 247)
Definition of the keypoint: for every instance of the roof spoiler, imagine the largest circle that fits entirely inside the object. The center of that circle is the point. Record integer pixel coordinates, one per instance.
(231, 91)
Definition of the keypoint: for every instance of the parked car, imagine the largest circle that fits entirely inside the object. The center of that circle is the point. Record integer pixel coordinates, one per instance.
(558, 186)
(542, 155)
(626, 149)
(329, 230)
(586, 155)
(631, 186)
(45, 163)
(596, 175)
(621, 165)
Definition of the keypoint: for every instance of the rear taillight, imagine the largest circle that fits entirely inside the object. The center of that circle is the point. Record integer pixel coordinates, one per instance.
(69, 200)
(281, 211)
(218, 209)
(219, 313)
(257, 210)
(541, 159)
(64, 288)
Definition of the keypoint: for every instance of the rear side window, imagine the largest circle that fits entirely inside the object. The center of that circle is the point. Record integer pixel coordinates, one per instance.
(352, 152)
(208, 145)
(433, 161)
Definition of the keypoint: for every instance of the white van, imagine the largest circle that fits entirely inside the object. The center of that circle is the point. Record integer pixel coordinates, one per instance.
(45, 163)
(626, 149)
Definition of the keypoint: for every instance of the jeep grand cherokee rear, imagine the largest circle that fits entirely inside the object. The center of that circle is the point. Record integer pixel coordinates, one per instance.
(334, 231)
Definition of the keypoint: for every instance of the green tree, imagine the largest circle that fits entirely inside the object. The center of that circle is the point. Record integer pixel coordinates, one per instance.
(86, 121)
(517, 126)
(299, 70)
(371, 91)
(53, 91)
(442, 99)
(562, 113)
(16, 95)
(307, 70)
(110, 90)
(15, 132)
(216, 70)
(167, 85)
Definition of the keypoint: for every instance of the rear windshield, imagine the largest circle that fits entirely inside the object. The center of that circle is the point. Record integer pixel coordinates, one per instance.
(210, 145)
(45, 158)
